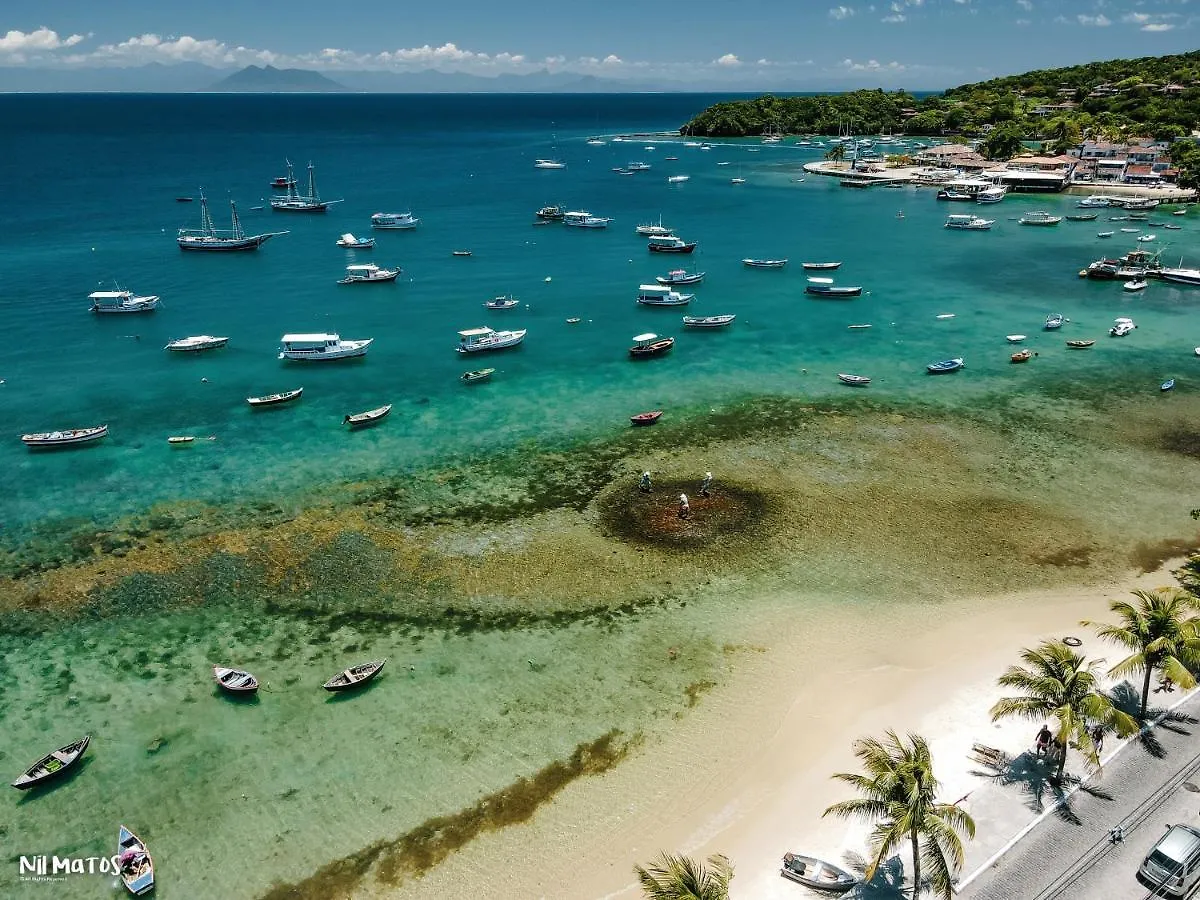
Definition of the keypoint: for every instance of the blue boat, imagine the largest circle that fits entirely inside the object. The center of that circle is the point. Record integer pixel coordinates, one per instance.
(133, 860)
(1054, 321)
(1168, 385)
(946, 365)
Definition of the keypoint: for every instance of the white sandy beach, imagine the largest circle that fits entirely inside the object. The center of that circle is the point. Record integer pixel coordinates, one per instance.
(747, 772)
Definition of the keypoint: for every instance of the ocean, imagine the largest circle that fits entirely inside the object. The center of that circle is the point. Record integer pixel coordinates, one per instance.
(282, 542)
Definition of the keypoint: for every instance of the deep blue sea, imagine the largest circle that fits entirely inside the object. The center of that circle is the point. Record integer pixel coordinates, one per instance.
(90, 201)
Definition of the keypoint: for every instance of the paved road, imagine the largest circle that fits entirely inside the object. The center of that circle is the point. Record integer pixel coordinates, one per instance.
(1070, 856)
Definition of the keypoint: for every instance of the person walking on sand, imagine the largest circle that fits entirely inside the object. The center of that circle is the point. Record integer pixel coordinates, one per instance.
(1097, 735)
(685, 509)
(644, 484)
(706, 484)
(1041, 743)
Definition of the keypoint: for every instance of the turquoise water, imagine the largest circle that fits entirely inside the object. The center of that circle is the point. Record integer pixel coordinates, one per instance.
(91, 200)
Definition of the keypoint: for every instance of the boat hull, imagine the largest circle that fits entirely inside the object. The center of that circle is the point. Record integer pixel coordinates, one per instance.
(362, 420)
(686, 248)
(817, 290)
(141, 880)
(275, 399)
(253, 242)
(647, 418)
(361, 675)
(235, 681)
(53, 766)
(67, 438)
(359, 348)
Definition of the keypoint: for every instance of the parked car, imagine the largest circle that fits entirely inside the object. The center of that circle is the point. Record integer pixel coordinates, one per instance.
(1172, 867)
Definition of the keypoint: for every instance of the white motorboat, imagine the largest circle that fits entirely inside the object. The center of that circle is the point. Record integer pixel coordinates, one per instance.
(1039, 218)
(638, 167)
(595, 142)
(64, 437)
(548, 164)
(197, 342)
(654, 229)
(1137, 284)
(662, 295)
(368, 273)
(209, 237)
(350, 242)
(1094, 202)
(764, 263)
(293, 201)
(969, 223)
(1180, 275)
(1121, 327)
(475, 340)
(403, 221)
(321, 347)
(676, 179)
(1105, 234)
(993, 194)
(584, 219)
(121, 302)
(1146, 238)
(502, 302)
(737, 180)
(1014, 338)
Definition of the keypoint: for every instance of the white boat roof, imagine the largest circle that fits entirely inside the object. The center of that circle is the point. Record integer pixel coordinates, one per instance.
(349, 238)
(309, 338)
(362, 267)
(648, 336)
(403, 215)
(654, 288)
(108, 295)
(821, 280)
(476, 332)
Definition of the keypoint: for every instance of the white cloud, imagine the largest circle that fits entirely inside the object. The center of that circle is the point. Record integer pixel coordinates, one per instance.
(1158, 26)
(1025, 4)
(895, 17)
(40, 40)
(841, 12)
(1152, 22)
(873, 65)
(727, 60)
(153, 48)
(1097, 21)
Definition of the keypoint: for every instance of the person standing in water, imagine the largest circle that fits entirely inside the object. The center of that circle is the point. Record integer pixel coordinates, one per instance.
(706, 484)
(644, 484)
(685, 508)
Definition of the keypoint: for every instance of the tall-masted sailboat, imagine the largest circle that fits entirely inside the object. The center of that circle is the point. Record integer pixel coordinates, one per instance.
(293, 201)
(209, 237)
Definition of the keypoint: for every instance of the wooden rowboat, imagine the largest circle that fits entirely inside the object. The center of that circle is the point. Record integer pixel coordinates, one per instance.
(52, 765)
(178, 439)
(1022, 356)
(370, 417)
(646, 418)
(273, 399)
(816, 873)
(134, 862)
(355, 676)
(709, 321)
(478, 375)
(822, 266)
(1080, 345)
(235, 680)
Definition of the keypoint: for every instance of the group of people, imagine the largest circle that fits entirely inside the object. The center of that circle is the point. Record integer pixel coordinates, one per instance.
(685, 508)
(1047, 746)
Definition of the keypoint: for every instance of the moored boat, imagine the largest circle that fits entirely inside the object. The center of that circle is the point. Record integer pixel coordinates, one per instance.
(181, 440)
(503, 302)
(460, 252)
(662, 295)
(824, 287)
(677, 179)
(1121, 327)
(853, 380)
(1082, 217)
(968, 223)
(719, 321)
(1039, 218)
(350, 242)
(209, 237)
(404, 221)
(1168, 385)
(1105, 234)
(235, 681)
(646, 418)
(1022, 356)
(1180, 275)
(196, 343)
(647, 345)
(1137, 284)
(549, 164)
(121, 302)
(293, 201)
(355, 676)
(1014, 338)
(475, 340)
(1080, 344)
(321, 347)
(583, 219)
(552, 213)
(750, 263)
(275, 399)
(1054, 321)
(134, 863)
(654, 229)
(946, 365)
(820, 266)
(370, 417)
(680, 276)
(65, 437)
(815, 873)
(368, 273)
(477, 375)
(52, 765)
(670, 244)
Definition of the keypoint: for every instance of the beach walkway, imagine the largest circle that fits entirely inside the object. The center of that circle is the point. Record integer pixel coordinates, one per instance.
(1068, 850)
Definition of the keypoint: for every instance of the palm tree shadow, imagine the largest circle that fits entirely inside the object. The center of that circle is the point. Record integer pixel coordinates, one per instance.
(887, 884)
(1171, 721)
(1034, 775)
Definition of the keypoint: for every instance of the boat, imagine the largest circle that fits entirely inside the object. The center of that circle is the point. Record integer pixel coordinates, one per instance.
(551, 213)
(1082, 217)
(968, 223)
(181, 440)
(355, 676)
(404, 221)
(548, 164)
(283, 182)
(1053, 321)
(824, 287)
(460, 252)
(574, 320)
(304, 203)
(183, 199)
(321, 346)
(646, 418)
(1080, 345)
(708, 321)
(584, 219)
(1180, 275)
(1121, 327)
(1022, 356)
(1105, 234)
(1146, 238)
(820, 266)
(197, 343)
(276, 399)
(670, 244)
(662, 295)
(475, 340)
(1039, 218)
(764, 263)
(370, 417)
(815, 873)
(595, 142)
(1171, 227)
(209, 237)
(1179, 212)
(65, 437)
(503, 302)
(1014, 338)
(991, 194)
(477, 375)
(854, 380)
(350, 242)
(121, 302)
(858, 326)
(638, 167)
(946, 365)
(1140, 203)
(680, 276)
(946, 315)
(654, 229)
(647, 345)
(737, 180)
(368, 273)
(52, 765)
(1137, 284)
(676, 179)
(1093, 202)
(1130, 230)
(134, 863)
(951, 194)
(235, 681)
(1168, 385)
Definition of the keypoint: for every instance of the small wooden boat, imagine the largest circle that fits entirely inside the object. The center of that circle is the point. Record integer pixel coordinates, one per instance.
(1105, 234)
(274, 399)
(355, 676)
(1022, 356)
(708, 321)
(478, 375)
(1080, 345)
(1084, 217)
(946, 365)
(647, 345)
(460, 252)
(183, 199)
(134, 863)
(63, 438)
(506, 302)
(855, 380)
(371, 416)
(821, 265)
(764, 263)
(1014, 338)
(52, 765)
(350, 242)
(821, 289)
(1171, 227)
(680, 276)
(1136, 284)
(815, 873)
(574, 320)
(859, 326)
(1168, 385)
(1179, 212)
(178, 439)
(235, 680)
(646, 418)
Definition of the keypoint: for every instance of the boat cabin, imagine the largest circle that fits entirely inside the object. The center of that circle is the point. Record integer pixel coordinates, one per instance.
(309, 343)
(473, 336)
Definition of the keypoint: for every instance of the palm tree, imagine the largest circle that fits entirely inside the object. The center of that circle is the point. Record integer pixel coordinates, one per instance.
(1162, 630)
(1058, 683)
(836, 153)
(682, 878)
(899, 795)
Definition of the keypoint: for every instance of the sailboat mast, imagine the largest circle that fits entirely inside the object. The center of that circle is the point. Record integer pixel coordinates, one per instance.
(206, 222)
(312, 181)
(237, 226)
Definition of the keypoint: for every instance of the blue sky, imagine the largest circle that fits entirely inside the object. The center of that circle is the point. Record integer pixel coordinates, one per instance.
(916, 44)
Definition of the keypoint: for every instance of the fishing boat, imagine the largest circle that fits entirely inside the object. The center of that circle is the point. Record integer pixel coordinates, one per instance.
(654, 229)
(824, 287)
(552, 213)
(1121, 327)
(1054, 321)
(460, 252)
(680, 276)
(946, 365)
(764, 263)
(181, 440)
(321, 347)
(368, 273)
(209, 237)
(548, 164)
(677, 179)
(738, 180)
(350, 242)
(403, 221)
(370, 417)
(670, 244)
(52, 765)
(183, 199)
(65, 437)
(719, 321)
(1168, 385)
(854, 380)
(1022, 356)
(646, 418)
(121, 302)
(1171, 227)
(638, 167)
(1080, 345)
(1146, 238)
(815, 873)
(1137, 284)
(477, 375)
(647, 345)
(134, 863)
(196, 343)
(235, 681)
(583, 219)
(503, 302)
(991, 194)
(968, 223)
(355, 676)
(304, 203)
(1014, 338)
(1082, 217)
(275, 399)
(475, 340)
(1039, 218)
(1130, 230)
(662, 295)
(1105, 234)
(821, 266)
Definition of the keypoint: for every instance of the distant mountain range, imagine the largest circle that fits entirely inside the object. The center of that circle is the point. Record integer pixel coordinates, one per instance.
(270, 80)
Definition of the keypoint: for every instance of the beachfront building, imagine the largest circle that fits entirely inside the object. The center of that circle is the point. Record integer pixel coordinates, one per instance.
(947, 156)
